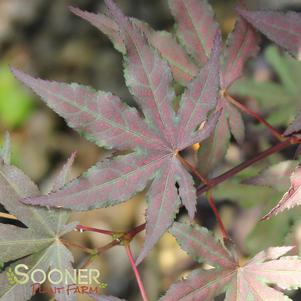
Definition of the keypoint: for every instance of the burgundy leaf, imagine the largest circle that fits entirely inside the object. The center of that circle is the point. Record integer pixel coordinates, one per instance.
(155, 141)
(200, 285)
(108, 183)
(100, 116)
(201, 245)
(200, 97)
(147, 76)
(241, 282)
(163, 207)
(236, 122)
(182, 69)
(187, 192)
(213, 150)
(196, 27)
(105, 24)
(282, 28)
(242, 44)
(63, 176)
(291, 198)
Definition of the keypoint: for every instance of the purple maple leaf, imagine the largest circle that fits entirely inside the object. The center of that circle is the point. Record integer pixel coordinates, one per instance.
(155, 140)
(282, 28)
(240, 281)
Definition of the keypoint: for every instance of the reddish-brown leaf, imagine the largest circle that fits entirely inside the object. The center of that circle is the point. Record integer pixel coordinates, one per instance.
(205, 86)
(241, 45)
(182, 68)
(196, 27)
(105, 24)
(240, 282)
(213, 150)
(291, 198)
(282, 28)
(155, 139)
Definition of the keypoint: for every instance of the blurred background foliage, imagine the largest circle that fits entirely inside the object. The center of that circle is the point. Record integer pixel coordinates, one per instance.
(43, 38)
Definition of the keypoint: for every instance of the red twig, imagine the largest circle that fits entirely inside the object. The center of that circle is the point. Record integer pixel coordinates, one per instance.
(278, 147)
(131, 234)
(245, 109)
(99, 251)
(219, 220)
(82, 228)
(136, 272)
(128, 236)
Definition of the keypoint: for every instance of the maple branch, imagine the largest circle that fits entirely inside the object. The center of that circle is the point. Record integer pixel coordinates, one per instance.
(99, 251)
(131, 234)
(82, 228)
(136, 272)
(116, 235)
(230, 173)
(218, 217)
(245, 109)
(122, 238)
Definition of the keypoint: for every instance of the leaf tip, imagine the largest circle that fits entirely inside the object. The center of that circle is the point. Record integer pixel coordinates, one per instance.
(19, 74)
(75, 10)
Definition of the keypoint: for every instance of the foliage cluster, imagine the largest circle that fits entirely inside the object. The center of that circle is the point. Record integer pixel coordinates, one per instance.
(151, 139)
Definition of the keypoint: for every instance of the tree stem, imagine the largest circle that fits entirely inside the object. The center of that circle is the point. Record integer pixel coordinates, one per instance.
(218, 217)
(82, 228)
(245, 109)
(131, 234)
(276, 148)
(136, 272)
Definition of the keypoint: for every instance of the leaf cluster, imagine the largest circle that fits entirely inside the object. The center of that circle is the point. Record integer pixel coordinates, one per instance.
(153, 136)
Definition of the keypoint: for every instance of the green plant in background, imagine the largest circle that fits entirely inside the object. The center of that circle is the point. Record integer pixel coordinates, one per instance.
(280, 99)
(16, 103)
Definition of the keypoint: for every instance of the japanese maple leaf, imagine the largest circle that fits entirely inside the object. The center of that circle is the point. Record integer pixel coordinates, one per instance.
(240, 282)
(283, 28)
(291, 198)
(155, 140)
(38, 246)
(196, 30)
